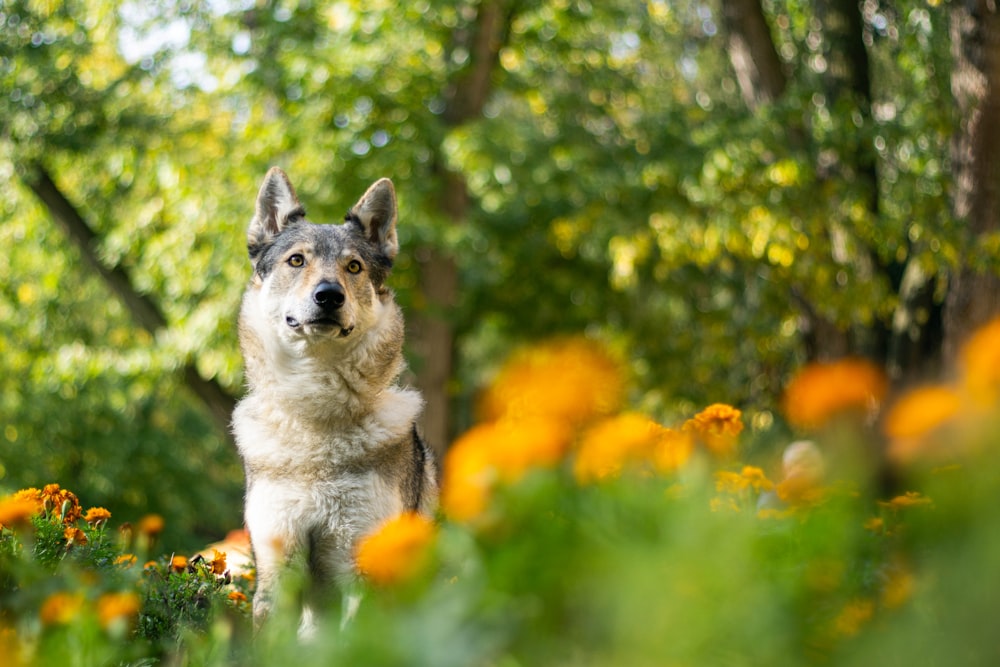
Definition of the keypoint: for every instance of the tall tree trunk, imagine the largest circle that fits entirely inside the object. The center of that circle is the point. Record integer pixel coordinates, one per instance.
(144, 312)
(752, 52)
(974, 292)
(432, 332)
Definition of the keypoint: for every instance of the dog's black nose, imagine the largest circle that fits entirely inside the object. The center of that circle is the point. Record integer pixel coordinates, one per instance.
(329, 295)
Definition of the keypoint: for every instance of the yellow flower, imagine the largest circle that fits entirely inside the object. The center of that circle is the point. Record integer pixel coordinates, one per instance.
(800, 490)
(979, 361)
(875, 525)
(717, 427)
(96, 516)
(151, 525)
(571, 380)
(396, 550)
(821, 391)
(609, 445)
(497, 451)
(853, 617)
(11, 647)
(15, 511)
(736, 483)
(115, 608)
(899, 586)
(61, 608)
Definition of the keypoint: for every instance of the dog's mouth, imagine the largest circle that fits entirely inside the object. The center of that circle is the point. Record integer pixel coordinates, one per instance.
(320, 325)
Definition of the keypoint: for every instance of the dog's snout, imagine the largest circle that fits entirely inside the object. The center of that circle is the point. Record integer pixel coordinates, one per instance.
(329, 295)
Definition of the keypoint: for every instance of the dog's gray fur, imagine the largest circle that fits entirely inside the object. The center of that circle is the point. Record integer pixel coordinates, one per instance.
(328, 440)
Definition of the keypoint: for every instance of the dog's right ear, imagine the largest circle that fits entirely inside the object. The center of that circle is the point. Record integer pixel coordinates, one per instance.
(277, 207)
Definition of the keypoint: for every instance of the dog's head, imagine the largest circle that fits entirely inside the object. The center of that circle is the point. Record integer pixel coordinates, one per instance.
(321, 281)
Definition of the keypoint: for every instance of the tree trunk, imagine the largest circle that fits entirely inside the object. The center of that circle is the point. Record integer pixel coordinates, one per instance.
(974, 292)
(433, 335)
(144, 312)
(752, 53)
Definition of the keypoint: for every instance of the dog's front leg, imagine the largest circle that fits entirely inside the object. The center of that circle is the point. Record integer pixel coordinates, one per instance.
(270, 550)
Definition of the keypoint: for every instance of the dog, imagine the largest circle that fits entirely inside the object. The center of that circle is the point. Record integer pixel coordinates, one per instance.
(328, 438)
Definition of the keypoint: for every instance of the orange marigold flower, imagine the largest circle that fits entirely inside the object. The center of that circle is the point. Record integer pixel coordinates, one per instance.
(571, 380)
(178, 563)
(126, 560)
(916, 415)
(61, 608)
(908, 499)
(74, 535)
(497, 451)
(113, 608)
(151, 525)
(979, 360)
(609, 445)
(717, 427)
(218, 562)
(922, 410)
(237, 596)
(150, 566)
(31, 494)
(673, 449)
(468, 475)
(821, 391)
(62, 503)
(396, 550)
(96, 516)
(16, 511)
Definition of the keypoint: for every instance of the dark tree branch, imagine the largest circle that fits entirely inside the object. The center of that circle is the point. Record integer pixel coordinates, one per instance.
(144, 312)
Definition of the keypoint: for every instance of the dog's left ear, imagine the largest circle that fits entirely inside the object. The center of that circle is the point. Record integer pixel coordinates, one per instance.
(376, 213)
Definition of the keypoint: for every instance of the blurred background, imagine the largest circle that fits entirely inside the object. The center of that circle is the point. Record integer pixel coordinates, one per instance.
(719, 190)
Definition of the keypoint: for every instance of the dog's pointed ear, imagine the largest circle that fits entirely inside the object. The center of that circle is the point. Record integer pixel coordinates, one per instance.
(277, 206)
(376, 213)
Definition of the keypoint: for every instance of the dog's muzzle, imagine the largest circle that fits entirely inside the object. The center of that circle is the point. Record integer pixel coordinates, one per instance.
(329, 298)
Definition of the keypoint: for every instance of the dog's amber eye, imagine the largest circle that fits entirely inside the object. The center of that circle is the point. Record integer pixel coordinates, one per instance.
(296, 260)
(354, 266)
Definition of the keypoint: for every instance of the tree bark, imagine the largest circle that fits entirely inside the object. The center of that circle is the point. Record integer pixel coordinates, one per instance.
(974, 293)
(144, 312)
(433, 334)
(755, 60)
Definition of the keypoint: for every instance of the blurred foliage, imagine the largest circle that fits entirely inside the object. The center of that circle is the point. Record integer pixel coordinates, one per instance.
(619, 185)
